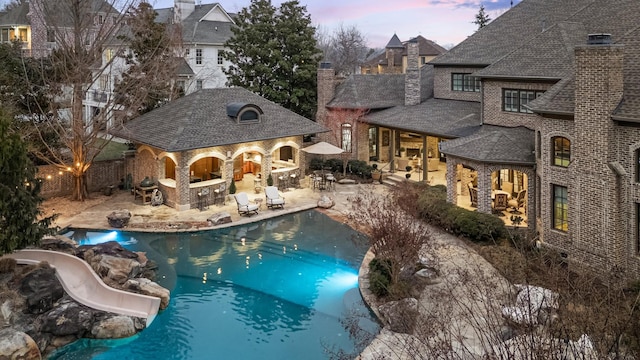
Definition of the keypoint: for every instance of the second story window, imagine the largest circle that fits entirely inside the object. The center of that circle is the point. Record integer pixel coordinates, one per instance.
(515, 100)
(108, 55)
(220, 58)
(104, 82)
(465, 82)
(561, 151)
(198, 84)
(198, 56)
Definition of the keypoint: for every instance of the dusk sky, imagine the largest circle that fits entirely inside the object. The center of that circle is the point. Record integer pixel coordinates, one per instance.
(447, 22)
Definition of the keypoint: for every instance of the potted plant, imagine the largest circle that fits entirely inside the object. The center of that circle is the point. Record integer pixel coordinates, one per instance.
(407, 175)
(403, 151)
(408, 168)
(269, 180)
(375, 173)
(232, 187)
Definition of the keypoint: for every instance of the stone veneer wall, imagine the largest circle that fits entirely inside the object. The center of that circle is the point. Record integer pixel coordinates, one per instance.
(492, 104)
(442, 84)
(412, 76)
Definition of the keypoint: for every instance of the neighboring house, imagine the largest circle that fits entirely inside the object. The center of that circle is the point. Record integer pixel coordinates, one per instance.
(26, 23)
(199, 143)
(204, 30)
(543, 99)
(394, 58)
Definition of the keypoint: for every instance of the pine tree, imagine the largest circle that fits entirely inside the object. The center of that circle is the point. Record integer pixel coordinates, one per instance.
(21, 219)
(482, 18)
(274, 54)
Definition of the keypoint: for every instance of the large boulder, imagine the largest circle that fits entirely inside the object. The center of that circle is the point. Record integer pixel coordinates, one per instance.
(117, 269)
(219, 218)
(68, 318)
(41, 288)
(119, 218)
(114, 327)
(59, 243)
(326, 202)
(400, 316)
(147, 287)
(17, 345)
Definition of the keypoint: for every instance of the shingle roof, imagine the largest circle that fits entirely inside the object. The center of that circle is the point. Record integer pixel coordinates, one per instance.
(437, 117)
(426, 47)
(629, 109)
(183, 68)
(363, 91)
(510, 30)
(548, 55)
(195, 31)
(394, 43)
(200, 120)
(16, 16)
(494, 144)
(559, 99)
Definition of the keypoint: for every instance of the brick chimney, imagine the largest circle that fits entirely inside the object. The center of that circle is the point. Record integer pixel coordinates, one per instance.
(598, 91)
(182, 9)
(412, 76)
(326, 89)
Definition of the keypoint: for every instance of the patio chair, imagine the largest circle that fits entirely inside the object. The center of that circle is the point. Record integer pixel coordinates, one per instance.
(473, 194)
(273, 197)
(244, 206)
(500, 203)
(518, 202)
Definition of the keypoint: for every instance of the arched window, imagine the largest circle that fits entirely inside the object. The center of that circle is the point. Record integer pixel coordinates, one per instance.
(249, 115)
(561, 151)
(346, 137)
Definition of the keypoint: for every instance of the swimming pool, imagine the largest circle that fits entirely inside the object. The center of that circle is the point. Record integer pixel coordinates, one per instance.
(277, 289)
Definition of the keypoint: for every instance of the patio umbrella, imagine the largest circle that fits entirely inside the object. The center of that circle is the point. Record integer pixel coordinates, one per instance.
(323, 148)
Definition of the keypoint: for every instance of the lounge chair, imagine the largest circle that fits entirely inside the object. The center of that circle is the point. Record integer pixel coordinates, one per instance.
(273, 197)
(244, 206)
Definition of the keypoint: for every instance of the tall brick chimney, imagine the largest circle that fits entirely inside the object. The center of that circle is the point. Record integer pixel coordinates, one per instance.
(182, 9)
(412, 76)
(326, 89)
(593, 193)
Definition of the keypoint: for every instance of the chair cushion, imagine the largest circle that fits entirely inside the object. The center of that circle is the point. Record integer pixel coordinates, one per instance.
(278, 201)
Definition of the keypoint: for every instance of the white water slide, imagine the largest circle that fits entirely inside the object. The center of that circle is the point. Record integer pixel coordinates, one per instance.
(83, 285)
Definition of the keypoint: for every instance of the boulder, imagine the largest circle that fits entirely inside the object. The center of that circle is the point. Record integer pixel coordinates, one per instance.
(115, 268)
(107, 248)
(536, 297)
(400, 315)
(148, 287)
(41, 288)
(119, 219)
(326, 202)
(114, 327)
(219, 218)
(430, 276)
(68, 318)
(59, 243)
(17, 345)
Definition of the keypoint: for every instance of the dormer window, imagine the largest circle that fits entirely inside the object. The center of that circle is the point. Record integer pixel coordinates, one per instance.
(244, 113)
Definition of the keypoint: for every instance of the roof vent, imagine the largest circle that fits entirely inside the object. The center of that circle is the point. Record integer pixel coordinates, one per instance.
(599, 39)
(325, 65)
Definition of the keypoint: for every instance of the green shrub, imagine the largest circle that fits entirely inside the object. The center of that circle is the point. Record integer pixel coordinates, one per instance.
(480, 227)
(269, 180)
(380, 277)
(232, 187)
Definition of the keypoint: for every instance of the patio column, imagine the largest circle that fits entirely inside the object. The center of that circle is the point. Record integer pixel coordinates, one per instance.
(423, 155)
(484, 189)
(392, 151)
(182, 183)
(452, 183)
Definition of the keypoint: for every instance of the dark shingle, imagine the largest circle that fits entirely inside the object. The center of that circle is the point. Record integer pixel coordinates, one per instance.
(200, 120)
(494, 144)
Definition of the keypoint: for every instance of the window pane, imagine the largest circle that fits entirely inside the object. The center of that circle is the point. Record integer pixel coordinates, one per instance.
(562, 151)
(560, 208)
(346, 137)
(457, 82)
(511, 100)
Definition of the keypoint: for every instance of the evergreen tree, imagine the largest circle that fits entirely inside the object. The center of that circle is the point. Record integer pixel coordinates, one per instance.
(274, 54)
(21, 221)
(151, 57)
(482, 18)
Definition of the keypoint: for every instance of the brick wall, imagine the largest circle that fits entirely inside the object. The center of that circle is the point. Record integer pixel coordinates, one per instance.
(412, 76)
(492, 113)
(442, 84)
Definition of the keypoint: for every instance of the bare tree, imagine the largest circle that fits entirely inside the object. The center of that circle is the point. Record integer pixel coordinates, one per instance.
(345, 48)
(88, 55)
(342, 123)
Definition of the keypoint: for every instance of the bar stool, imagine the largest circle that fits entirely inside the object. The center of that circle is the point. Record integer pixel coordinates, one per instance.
(283, 182)
(219, 194)
(203, 199)
(330, 180)
(294, 181)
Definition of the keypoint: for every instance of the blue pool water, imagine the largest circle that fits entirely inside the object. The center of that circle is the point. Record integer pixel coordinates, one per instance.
(278, 289)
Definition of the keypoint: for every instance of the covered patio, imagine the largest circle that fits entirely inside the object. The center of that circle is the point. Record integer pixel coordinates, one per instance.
(193, 148)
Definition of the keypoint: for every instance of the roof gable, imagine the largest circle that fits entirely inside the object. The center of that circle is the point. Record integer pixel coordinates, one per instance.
(217, 13)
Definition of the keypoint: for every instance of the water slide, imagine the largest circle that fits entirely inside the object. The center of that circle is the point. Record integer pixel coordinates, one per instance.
(83, 285)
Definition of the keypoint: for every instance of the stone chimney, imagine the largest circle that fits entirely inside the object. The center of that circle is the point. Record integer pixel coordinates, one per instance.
(326, 89)
(594, 193)
(412, 76)
(182, 9)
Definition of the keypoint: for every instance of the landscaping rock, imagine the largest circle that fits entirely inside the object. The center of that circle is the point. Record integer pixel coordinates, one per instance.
(347, 182)
(115, 268)
(59, 243)
(326, 202)
(17, 345)
(400, 316)
(147, 287)
(219, 218)
(68, 318)
(115, 327)
(429, 275)
(108, 248)
(41, 288)
(119, 219)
